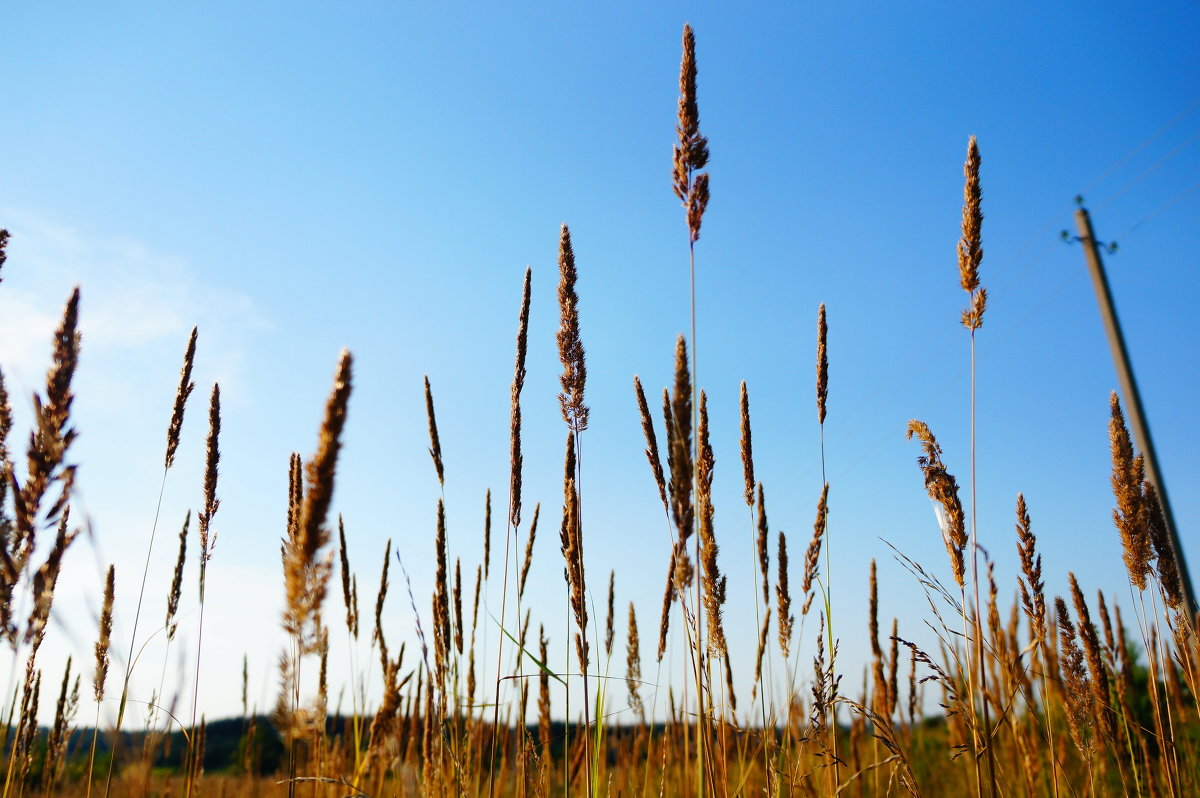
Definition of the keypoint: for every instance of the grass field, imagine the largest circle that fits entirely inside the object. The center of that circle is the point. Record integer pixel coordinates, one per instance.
(1053, 695)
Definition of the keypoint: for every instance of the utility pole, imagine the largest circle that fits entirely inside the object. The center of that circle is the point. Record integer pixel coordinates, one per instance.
(1133, 400)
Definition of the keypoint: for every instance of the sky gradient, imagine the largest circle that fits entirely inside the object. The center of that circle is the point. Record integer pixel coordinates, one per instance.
(295, 178)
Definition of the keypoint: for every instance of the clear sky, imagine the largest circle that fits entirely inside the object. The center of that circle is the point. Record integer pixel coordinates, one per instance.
(299, 177)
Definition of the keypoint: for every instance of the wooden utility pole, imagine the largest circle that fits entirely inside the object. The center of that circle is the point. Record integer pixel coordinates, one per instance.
(1129, 393)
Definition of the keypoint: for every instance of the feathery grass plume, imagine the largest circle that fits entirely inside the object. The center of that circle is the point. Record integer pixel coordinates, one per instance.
(348, 598)
(177, 580)
(570, 347)
(783, 599)
(664, 623)
(306, 573)
(1033, 599)
(764, 560)
(822, 364)
(295, 494)
(5, 459)
(633, 667)
(212, 460)
(102, 642)
(729, 691)
(441, 604)
(1156, 530)
(487, 533)
(380, 597)
(679, 459)
(537, 509)
(1091, 649)
(1077, 688)
(57, 738)
(4, 236)
(48, 444)
(747, 447)
(1128, 474)
(970, 246)
(573, 554)
(879, 689)
(812, 555)
(516, 460)
(181, 396)
(651, 442)
(609, 632)
(475, 603)
(458, 614)
(758, 654)
(543, 695)
(943, 490)
(713, 581)
(435, 445)
(45, 579)
(691, 153)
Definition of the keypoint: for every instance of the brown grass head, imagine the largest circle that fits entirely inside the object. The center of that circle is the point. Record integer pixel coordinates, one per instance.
(177, 580)
(516, 459)
(679, 433)
(570, 346)
(212, 461)
(783, 599)
(943, 490)
(435, 443)
(747, 447)
(458, 611)
(822, 364)
(102, 642)
(1033, 599)
(970, 246)
(691, 151)
(347, 597)
(1164, 551)
(537, 510)
(1076, 685)
(1128, 474)
(1091, 649)
(487, 533)
(609, 629)
(764, 560)
(45, 579)
(664, 623)
(4, 237)
(181, 396)
(633, 666)
(652, 455)
(813, 554)
(713, 581)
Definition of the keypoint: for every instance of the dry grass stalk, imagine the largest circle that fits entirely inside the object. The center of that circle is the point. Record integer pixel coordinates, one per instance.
(970, 246)
(822, 364)
(943, 490)
(879, 690)
(48, 444)
(764, 560)
(1164, 552)
(105, 638)
(813, 554)
(783, 599)
(306, 574)
(175, 428)
(1033, 599)
(212, 459)
(713, 580)
(760, 651)
(543, 695)
(691, 153)
(487, 533)
(1077, 690)
(570, 346)
(633, 667)
(609, 630)
(537, 509)
(678, 417)
(1128, 474)
(441, 607)
(651, 442)
(516, 459)
(664, 624)
(458, 614)
(45, 579)
(380, 597)
(573, 555)
(349, 592)
(176, 591)
(747, 447)
(435, 444)
(1091, 649)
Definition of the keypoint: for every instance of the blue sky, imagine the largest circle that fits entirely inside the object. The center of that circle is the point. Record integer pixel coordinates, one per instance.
(297, 178)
